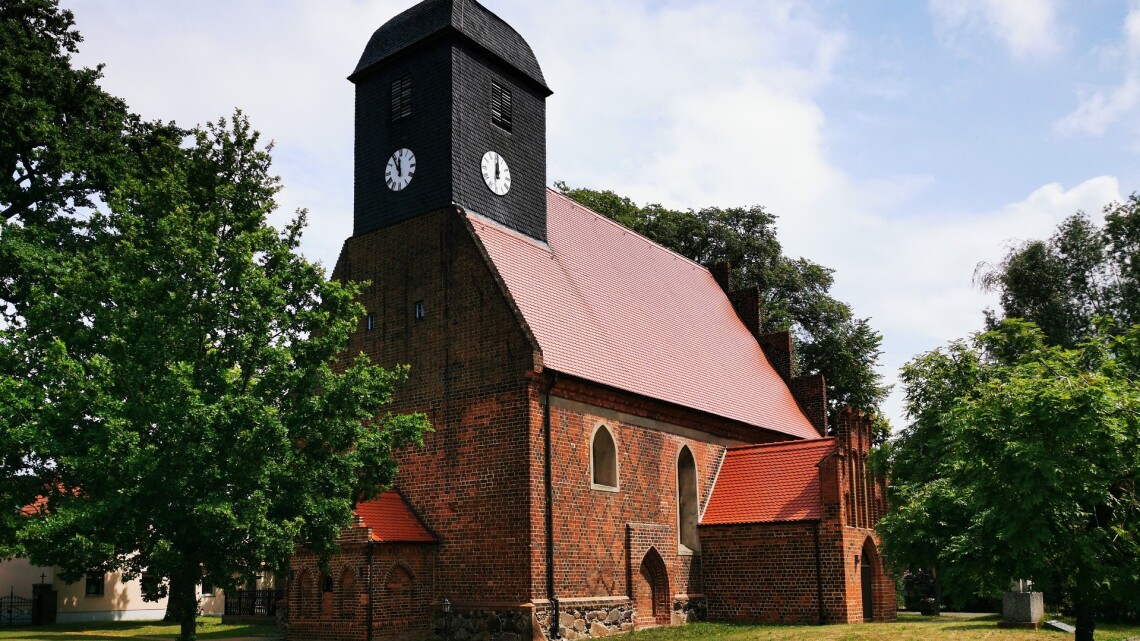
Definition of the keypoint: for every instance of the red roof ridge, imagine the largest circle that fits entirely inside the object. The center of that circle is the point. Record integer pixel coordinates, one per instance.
(629, 231)
(795, 443)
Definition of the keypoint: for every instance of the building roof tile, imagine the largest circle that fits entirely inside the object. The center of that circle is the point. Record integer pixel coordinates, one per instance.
(768, 483)
(392, 520)
(610, 306)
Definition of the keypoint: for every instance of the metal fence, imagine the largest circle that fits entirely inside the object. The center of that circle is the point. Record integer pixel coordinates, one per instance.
(252, 602)
(15, 610)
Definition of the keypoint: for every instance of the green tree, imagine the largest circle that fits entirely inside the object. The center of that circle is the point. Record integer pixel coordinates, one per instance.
(828, 337)
(61, 140)
(176, 381)
(61, 136)
(912, 535)
(1082, 271)
(1023, 461)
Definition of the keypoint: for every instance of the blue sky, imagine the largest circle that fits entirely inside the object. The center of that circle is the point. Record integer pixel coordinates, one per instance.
(900, 143)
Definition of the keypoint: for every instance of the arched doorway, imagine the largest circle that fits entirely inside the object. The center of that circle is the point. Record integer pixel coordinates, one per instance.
(868, 572)
(651, 592)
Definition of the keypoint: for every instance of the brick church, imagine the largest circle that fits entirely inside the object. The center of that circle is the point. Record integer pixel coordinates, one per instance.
(616, 444)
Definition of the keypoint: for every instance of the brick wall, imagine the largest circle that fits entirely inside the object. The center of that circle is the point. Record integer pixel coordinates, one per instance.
(760, 572)
(469, 360)
(331, 603)
(479, 481)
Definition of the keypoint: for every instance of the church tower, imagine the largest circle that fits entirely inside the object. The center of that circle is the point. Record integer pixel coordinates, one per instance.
(450, 109)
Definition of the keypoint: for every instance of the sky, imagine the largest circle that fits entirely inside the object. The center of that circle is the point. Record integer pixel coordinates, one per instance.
(899, 143)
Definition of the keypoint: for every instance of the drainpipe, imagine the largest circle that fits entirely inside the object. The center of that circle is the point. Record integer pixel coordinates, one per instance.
(818, 573)
(549, 480)
(368, 621)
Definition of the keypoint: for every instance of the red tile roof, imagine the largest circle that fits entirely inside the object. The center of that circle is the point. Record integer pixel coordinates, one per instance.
(391, 520)
(766, 483)
(610, 306)
(35, 507)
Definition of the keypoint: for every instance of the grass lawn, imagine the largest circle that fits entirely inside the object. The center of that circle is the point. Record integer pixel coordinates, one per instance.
(909, 627)
(208, 628)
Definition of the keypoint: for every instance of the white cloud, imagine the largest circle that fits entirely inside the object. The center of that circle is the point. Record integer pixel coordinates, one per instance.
(684, 103)
(915, 281)
(1098, 110)
(1027, 27)
(284, 62)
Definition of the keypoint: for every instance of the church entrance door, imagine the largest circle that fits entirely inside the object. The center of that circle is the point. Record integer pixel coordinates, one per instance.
(651, 592)
(867, 578)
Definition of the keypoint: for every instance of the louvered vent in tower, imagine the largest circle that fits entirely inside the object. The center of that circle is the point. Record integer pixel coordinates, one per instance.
(500, 105)
(401, 98)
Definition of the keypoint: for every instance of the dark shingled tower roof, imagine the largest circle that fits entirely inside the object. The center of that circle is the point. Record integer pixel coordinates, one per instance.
(434, 18)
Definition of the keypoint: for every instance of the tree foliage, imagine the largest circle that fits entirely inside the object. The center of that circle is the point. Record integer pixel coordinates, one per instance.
(173, 386)
(1023, 461)
(1082, 271)
(828, 337)
(61, 136)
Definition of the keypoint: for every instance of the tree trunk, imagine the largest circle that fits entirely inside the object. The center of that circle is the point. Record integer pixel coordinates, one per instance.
(182, 604)
(936, 609)
(1086, 624)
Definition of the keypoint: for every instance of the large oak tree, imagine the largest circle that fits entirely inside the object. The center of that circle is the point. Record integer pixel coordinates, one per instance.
(173, 386)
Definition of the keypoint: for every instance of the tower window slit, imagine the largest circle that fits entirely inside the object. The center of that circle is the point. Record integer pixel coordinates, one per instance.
(500, 105)
(401, 97)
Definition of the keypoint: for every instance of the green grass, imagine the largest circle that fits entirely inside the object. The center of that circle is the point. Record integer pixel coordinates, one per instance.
(907, 628)
(208, 628)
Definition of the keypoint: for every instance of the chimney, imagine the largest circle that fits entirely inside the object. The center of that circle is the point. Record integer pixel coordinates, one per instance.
(777, 347)
(722, 274)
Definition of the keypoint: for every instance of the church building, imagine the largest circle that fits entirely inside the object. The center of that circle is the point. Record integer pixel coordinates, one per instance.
(616, 444)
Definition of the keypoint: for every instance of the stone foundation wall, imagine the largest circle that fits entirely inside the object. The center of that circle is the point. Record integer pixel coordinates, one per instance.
(482, 625)
(586, 619)
(690, 609)
(609, 616)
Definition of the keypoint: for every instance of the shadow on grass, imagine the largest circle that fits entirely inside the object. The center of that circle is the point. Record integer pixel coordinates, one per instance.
(111, 630)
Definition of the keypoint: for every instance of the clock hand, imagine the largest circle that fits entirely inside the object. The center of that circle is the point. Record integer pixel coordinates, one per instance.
(398, 170)
(496, 169)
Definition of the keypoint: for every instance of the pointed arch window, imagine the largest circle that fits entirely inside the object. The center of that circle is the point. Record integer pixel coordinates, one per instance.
(687, 513)
(603, 460)
(347, 597)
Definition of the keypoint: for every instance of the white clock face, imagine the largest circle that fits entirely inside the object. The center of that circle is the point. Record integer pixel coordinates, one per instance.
(496, 173)
(400, 168)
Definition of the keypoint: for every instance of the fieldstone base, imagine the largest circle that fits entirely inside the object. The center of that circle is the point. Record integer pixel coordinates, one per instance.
(690, 609)
(482, 625)
(608, 616)
(587, 618)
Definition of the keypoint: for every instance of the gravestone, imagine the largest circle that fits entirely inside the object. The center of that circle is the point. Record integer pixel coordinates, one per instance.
(1022, 609)
(1059, 626)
